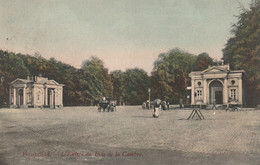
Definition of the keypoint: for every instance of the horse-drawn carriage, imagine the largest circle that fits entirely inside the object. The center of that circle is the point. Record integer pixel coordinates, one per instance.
(106, 104)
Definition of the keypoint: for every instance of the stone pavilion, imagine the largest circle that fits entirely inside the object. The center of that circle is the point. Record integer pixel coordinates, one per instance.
(217, 85)
(35, 92)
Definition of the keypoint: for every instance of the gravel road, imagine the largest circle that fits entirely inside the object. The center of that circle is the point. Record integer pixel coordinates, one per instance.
(82, 135)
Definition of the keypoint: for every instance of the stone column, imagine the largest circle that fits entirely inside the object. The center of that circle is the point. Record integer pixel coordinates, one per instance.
(205, 86)
(225, 92)
(33, 96)
(24, 96)
(14, 95)
(54, 97)
(240, 91)
(45, 96)
(192, 91)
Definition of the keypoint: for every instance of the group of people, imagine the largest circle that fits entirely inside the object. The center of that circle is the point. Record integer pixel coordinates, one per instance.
(105, 103)
(156, 104)
(165, 105)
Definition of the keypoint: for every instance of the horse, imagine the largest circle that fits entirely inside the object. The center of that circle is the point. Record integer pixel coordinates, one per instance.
(112, 106)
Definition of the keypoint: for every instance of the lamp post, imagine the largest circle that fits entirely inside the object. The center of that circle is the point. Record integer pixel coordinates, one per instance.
(149, 91)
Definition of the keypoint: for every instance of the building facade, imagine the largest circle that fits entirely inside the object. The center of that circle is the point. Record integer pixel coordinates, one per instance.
(35, 92)
(217, 85)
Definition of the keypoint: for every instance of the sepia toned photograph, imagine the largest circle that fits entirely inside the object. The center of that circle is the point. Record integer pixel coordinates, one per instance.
(129, 82)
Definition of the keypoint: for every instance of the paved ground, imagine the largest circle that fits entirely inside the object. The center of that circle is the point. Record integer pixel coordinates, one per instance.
(81, 135)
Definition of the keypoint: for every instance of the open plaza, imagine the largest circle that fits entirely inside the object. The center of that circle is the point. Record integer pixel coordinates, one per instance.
(130, 135)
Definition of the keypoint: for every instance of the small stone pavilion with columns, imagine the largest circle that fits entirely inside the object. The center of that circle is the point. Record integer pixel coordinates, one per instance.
(217, 85)
(35, 92)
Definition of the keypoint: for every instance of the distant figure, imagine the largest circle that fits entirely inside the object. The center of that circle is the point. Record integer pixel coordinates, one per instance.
(168, 105)
(157, 104)
(112, 106)
(147, 104)
(181, 102)
(144, 105)
(164, 105)
(228, 103)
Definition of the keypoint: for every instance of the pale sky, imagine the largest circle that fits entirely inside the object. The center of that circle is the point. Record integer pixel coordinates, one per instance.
(122, 33)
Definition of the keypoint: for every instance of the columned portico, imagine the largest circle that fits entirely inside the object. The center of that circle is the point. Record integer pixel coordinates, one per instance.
(35, 92)
(217, 85)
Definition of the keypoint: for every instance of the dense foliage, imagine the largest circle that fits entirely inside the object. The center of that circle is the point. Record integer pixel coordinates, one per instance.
(11, 67)
(95, 82)
(84, 86)
(87, 85)
(135, 84)
(202, 62)
(242, 51)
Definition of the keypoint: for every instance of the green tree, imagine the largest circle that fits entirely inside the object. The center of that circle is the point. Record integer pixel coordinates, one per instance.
(117, 78)
(11, 67)
(170, 74)
(202, 62)
(135, 85)
(35, 64)
(95, 80)
(242, 50)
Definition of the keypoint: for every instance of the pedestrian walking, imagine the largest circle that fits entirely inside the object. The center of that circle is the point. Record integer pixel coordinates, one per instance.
(157, 103)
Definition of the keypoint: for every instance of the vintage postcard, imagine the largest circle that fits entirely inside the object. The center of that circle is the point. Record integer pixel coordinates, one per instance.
(114, 82)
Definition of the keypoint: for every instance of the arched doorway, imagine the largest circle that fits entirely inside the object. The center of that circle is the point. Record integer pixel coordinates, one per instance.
(216, 92)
